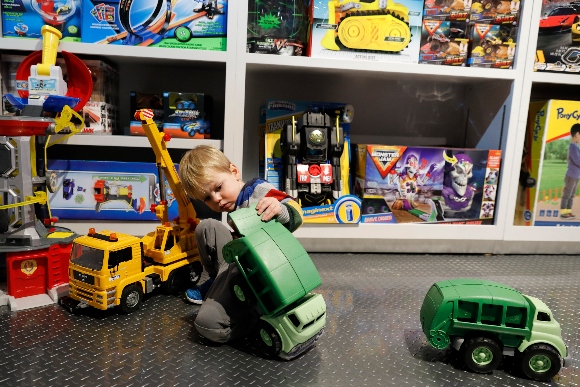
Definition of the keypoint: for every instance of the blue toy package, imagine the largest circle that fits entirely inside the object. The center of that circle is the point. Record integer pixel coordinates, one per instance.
(187, 115)
(191, 25)
(106, 190)
(25, 18)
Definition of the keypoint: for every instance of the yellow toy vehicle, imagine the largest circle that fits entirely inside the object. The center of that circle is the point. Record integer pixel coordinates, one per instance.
(379, 25)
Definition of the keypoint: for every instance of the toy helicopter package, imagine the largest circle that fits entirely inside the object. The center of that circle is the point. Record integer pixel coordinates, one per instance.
(197, 25)
(399, 184)
(307, 156)
(277, 27)
(379, 31)
(104, 190)
(24, 19)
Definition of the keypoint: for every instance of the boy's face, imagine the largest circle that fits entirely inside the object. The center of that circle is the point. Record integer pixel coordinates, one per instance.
(221, 193)
(576, 138)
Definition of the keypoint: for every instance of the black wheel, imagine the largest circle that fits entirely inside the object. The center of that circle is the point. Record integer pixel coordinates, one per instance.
(182, 278)
(540, 362)
(481, 354)
(194, 271)
(241, 290)
(131, 299)
(269, 339)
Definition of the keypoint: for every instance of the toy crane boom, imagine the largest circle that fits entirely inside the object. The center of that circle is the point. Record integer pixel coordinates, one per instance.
(158, 141)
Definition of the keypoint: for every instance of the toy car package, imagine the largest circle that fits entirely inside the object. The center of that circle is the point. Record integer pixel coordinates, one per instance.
(444, 43)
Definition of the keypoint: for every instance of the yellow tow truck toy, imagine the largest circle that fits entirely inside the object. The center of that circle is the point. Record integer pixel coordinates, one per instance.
(110, 269)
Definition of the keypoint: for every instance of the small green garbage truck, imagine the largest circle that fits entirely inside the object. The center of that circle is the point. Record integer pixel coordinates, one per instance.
(486, 320)
(280, 275)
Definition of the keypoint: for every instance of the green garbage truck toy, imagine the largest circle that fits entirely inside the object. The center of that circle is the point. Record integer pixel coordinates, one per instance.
(277, 273)
(485, 321)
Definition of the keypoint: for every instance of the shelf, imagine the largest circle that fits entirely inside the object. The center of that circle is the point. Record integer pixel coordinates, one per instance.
(556, 78)
(399, 71)
(133, 141)
(124, 54)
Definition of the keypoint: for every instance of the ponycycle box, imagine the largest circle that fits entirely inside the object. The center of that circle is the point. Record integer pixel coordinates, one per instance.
(104, 190)
(277, 118)
(399, 184)
(546, 162)
(336, 31)
(24, 19)
(198, 25)
(187, 115)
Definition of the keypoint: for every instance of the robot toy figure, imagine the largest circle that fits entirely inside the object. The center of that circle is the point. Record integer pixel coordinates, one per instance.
(457, 193)
(312, 147)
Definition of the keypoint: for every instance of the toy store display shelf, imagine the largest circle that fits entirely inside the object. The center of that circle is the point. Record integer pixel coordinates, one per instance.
(134, 141)
(260, 63)
(121, 53)
(557, 78)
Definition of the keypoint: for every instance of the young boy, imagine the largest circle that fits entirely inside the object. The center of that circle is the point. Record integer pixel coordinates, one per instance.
(572, 174)
(208, 175)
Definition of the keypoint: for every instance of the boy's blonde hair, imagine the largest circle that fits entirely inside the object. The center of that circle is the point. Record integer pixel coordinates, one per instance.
(198, 167)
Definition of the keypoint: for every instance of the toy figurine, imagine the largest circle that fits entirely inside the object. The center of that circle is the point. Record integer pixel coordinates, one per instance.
(311, 151)
(457, 193)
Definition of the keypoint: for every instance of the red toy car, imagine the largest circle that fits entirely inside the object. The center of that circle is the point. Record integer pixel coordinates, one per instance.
(559, 19)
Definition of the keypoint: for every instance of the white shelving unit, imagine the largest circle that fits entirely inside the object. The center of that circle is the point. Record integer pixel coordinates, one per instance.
(404, 104)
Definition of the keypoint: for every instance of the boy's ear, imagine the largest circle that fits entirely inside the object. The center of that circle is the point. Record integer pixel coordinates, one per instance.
(235, 171)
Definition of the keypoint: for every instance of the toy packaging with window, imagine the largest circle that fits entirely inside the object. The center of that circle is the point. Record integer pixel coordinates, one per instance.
(492, 45)
(187, 115)
(503, 12)
(306, 154)
(399, 184)
(25, 18)
(104, 190)
(140, 100)
(198, 25)
(278, 27)
(444, 42)
(546, 162)
(100, 118)
(558, 46)
(380, 31)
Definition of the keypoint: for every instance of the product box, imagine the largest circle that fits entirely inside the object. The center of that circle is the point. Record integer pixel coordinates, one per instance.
(105, 80)
(492, 46)
(495, 11)
(25, 18)
(444, 43)
(187, 115)
(278, 27)
(337, 32)
(549, 203)
(100, 118)
(198, 25)
(104, 190)
(399, 184)
(140, 100)
(559, 37)
(449, 10)
(298, 159)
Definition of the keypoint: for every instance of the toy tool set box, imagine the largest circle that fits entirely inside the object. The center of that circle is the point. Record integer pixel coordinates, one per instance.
(546, 161)
(25, 18)
(399, 184)
(199, 25)
(278, 27)
(106, 190)
(444, 43)
(187, 115)
(380, 31)
(558, 46)
(309, 159)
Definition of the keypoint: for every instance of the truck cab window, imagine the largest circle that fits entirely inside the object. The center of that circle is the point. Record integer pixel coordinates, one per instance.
(543, 316)
(116, 257)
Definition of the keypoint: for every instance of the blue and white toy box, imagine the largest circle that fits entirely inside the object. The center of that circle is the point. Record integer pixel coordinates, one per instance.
(393, 38)
(25, 18)
(198, 25)
(104, 190)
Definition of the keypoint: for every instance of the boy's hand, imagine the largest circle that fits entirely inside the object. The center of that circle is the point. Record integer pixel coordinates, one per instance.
(269, 208)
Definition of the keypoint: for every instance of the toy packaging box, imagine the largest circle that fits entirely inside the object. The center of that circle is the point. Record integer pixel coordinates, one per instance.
(504, 12)
(399, 184)
(100, 118)
(139, 100)
(559, 37)
(547, 163)
(277, 118)
(187, 115)
(448, 10)
(277, 27)
(106, 190)
(198, 25)
(444, 42)
(25, 18)
(347, 30)
(492, 46)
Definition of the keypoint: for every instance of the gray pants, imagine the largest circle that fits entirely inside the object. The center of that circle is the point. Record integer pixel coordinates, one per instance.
(221, 317)
(570, 185)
